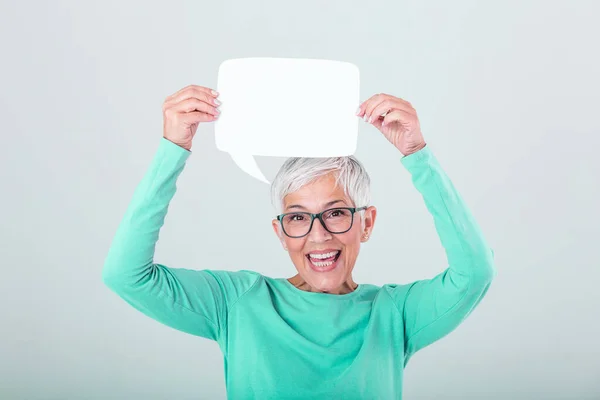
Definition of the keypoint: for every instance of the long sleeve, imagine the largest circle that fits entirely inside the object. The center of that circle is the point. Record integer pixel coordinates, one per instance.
(432, 308)
(193, 301)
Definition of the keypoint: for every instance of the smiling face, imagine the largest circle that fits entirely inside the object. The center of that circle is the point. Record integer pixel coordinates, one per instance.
(320, 274)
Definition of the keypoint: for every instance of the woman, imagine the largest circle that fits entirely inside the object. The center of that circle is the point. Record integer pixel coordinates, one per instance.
(317, 334)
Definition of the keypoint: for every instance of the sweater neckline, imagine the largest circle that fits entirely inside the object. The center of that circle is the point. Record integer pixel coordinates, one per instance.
(318, 295)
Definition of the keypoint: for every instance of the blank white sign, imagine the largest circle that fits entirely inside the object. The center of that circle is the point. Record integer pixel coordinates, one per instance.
(286, 107)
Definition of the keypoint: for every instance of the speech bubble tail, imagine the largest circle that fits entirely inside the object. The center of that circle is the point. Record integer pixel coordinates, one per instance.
(248, 164)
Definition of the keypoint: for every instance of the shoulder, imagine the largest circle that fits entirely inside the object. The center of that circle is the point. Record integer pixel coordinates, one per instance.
(240, 276)
(235, 284)
(397, 291)
(387, 288)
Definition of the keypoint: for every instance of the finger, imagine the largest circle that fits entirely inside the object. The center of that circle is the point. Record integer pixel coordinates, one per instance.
(396, 115)
(193, 93)
(377, 102)
(197, 116)
(193, 104)
(374, 102)
(386, 107)
(203, 89)
(195, 87)
(367, 108)
(365, 104)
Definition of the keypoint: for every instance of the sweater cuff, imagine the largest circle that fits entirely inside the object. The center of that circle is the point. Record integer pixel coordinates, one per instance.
(170, 153)
(418, 158)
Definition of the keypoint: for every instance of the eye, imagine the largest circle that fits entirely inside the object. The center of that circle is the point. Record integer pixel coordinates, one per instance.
(338, 212)
(295, 217)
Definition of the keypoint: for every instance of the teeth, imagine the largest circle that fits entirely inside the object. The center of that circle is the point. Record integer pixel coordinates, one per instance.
(322, 263)
(326, 255)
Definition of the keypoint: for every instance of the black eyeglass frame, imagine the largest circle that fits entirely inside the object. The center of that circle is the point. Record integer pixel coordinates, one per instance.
(352, 210)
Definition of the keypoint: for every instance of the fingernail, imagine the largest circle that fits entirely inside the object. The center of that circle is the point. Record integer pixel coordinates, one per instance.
(357, 111)
(217, 102)
(215, 93)
(365, 118)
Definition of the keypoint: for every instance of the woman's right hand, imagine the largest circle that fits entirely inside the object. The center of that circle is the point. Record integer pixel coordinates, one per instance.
(184, 110)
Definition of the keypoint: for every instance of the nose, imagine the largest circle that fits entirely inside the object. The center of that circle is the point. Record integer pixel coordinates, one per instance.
(318, 232)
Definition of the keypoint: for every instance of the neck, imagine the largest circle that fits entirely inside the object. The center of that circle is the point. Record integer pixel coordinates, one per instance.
(347, 287)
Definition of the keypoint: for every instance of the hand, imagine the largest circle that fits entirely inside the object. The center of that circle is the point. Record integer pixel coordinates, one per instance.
(396, 119)
(184, 110)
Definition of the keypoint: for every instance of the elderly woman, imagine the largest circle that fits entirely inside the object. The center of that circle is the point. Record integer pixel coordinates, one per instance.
(318, 334)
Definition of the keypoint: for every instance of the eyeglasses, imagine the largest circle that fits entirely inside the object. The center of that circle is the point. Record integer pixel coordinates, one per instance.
(334, 220)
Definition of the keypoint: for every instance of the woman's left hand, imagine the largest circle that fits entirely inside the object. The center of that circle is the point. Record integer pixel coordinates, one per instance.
(396, 119)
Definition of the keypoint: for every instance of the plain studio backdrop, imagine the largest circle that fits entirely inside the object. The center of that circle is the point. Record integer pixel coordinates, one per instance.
(507, 94)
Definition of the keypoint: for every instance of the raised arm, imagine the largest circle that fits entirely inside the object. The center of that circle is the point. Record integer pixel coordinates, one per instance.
(192, 301)
(432, 308)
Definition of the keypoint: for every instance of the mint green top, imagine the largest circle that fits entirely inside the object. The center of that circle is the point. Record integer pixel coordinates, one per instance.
(280, 342)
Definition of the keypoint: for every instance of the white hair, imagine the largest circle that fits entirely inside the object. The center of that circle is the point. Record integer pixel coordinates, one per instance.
(297, 172)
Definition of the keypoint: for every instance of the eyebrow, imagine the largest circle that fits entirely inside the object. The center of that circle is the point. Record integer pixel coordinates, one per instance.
(329, 204)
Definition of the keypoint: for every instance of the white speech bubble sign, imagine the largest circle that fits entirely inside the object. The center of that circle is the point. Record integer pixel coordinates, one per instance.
(286, 107)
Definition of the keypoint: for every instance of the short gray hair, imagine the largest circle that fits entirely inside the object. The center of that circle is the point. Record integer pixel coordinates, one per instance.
(297, 172)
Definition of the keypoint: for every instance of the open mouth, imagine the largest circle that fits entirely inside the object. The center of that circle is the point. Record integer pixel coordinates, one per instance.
(324, 262)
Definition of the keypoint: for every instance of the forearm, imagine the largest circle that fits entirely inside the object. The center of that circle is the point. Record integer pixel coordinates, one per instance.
(467, 251)
(432, 308)
(130, 257)
(193, 301)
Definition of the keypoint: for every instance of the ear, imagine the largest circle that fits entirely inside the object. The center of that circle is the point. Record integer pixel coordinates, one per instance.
(277, 229)
(368, 222)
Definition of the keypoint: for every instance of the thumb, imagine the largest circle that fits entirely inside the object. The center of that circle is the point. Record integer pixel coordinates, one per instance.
(391, 117)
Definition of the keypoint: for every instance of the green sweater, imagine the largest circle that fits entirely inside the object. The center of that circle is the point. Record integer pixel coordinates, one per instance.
(280, 342)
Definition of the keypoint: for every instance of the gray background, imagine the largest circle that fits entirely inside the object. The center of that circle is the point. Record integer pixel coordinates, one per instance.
(507, 94)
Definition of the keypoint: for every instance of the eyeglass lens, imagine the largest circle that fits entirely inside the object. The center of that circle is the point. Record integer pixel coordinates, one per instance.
(336, 220)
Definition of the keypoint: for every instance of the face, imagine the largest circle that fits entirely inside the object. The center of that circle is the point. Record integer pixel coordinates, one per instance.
(323, 276)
